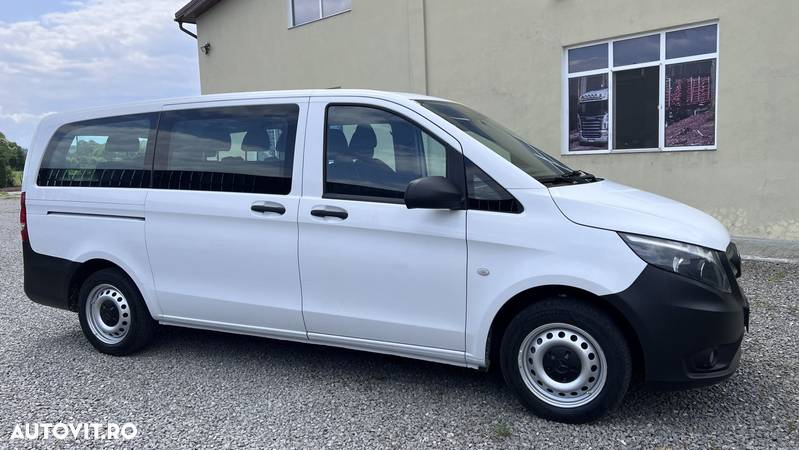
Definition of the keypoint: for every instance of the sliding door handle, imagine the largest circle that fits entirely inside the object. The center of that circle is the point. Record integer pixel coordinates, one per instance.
(277, 209)
(329, 213)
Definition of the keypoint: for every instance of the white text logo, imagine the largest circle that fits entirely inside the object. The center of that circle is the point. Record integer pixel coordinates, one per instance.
(86, 431)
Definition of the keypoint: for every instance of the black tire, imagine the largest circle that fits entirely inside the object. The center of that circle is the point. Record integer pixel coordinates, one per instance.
(599, 327)
(139, 326)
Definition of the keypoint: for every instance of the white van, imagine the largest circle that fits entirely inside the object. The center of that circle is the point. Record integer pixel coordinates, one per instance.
(393, 223)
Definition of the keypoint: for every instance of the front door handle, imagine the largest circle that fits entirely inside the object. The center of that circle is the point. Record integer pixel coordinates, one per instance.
(329, 213)
(271, 208)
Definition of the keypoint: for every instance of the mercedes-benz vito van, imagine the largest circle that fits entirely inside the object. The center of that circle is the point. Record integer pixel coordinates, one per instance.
(393, 223)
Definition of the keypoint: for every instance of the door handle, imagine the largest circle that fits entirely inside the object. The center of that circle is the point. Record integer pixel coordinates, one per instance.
(329, 213)
(277, 209)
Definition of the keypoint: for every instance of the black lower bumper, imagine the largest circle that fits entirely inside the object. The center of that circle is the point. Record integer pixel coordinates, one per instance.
(690, 333)
(47, 278)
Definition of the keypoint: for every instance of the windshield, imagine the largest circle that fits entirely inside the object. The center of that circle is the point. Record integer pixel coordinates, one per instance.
(499, 139)
(593, 108)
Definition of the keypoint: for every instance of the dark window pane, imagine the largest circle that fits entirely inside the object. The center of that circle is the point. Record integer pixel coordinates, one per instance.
(373, 153)
(305, 11)
(588, 58)
(485, 194)
(635, 113)
(234, 149)
(693, 41)
(588, 113)
(690, 99)
(636, 50)
(109, 152)
(330, 7)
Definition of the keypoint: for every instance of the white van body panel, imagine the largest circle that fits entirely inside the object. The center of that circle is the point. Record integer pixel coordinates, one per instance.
(101, 236)
(538, 247)
(613, 206)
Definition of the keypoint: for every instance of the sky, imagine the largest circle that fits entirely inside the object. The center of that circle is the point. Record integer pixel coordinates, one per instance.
(61, 55)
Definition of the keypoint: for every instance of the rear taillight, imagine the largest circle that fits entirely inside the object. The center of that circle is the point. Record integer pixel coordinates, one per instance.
(23, 218)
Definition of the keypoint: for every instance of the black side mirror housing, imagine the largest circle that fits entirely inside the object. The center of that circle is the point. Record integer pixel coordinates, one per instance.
(433, 193)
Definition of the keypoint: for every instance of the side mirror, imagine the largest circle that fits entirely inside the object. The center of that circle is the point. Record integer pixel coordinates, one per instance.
(433, 193)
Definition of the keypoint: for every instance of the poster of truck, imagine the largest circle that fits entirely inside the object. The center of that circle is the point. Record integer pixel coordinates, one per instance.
(690, 102)
(588, 113)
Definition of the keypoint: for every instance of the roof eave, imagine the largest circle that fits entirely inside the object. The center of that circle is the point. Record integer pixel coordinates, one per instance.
(194, 9)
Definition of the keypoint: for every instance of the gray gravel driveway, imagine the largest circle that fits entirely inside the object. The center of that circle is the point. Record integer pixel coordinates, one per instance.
(196, 389)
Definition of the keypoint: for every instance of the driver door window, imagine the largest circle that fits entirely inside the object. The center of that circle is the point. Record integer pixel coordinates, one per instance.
(372, 154)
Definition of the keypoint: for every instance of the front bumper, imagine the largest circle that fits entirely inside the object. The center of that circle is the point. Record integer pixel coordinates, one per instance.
(690, 333)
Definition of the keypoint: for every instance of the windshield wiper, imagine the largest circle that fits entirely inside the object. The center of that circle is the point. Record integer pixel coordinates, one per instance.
(573, 177)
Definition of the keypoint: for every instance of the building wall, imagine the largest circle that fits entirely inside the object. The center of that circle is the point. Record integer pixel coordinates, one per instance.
(505, 59)
(253, 48)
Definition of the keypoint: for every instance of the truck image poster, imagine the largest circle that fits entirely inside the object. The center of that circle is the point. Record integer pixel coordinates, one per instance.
(690, 104)
(588, 112)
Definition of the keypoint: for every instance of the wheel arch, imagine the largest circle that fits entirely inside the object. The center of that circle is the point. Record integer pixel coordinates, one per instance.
(523, 299)
(85, 270)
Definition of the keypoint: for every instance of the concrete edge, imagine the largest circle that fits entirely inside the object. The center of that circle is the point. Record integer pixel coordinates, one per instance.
(769, 250)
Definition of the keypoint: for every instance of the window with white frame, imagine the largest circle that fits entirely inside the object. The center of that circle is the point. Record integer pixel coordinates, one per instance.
(304, 11)
(656, 91)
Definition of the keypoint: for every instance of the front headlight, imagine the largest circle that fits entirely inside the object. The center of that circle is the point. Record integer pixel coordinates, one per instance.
(700, 263)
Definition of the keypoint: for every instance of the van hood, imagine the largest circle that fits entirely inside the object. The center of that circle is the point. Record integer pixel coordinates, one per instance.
(613, 206)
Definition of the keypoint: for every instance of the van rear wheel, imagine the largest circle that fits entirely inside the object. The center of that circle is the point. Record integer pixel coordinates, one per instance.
(566, 360)
(113, 315)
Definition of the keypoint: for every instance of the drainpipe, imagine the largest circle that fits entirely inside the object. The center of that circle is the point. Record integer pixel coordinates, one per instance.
(183, 29)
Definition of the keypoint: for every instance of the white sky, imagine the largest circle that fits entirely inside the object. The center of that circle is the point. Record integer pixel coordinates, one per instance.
(64, 55)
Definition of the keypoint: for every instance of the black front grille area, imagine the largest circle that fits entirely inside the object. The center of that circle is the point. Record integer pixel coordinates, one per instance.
(591, 127)
(116, 178)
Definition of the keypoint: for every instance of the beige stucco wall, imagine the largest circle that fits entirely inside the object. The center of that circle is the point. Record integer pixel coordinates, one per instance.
(504, 58)
(254, 49)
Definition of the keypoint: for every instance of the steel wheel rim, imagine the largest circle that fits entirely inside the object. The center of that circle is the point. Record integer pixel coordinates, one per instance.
(108, 314)
(544, 356)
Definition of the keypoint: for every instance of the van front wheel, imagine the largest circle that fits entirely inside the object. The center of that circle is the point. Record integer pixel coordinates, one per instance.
(566, 360)
(113, 315)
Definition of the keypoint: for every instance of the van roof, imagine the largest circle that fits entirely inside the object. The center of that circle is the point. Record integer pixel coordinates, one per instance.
(234, 96)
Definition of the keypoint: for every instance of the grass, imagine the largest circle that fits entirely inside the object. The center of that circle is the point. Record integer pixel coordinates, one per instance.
(502, 430)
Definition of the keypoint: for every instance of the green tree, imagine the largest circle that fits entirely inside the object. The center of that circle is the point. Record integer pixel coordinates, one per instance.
(12, 158)
(3, 172)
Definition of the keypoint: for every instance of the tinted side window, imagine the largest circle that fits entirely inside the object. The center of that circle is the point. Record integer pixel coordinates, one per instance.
(109, 152)
(233, 149)
(485, 194)
(373, 154)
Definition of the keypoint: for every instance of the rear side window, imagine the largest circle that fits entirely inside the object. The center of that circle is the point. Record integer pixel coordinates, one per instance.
(109, 152)
(233, 149)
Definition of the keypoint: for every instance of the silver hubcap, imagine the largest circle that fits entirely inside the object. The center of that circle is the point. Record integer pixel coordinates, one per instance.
(108, 314)
(562, 365)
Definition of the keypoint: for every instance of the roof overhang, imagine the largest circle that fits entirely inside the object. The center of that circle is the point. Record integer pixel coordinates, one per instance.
(193, 10)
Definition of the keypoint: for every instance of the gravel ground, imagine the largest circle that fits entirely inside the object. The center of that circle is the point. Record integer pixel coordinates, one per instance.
(196, 389)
